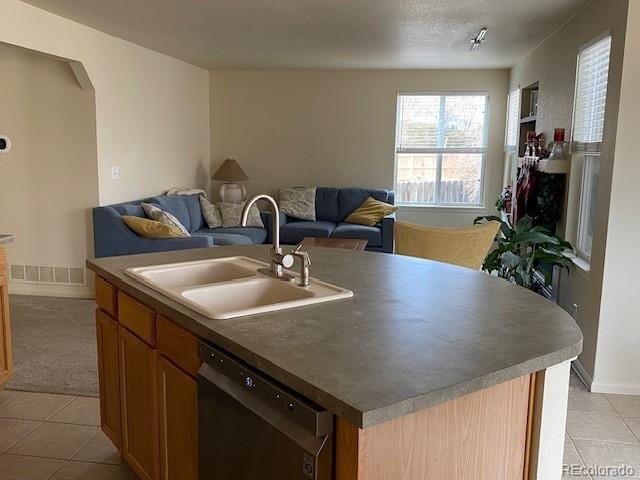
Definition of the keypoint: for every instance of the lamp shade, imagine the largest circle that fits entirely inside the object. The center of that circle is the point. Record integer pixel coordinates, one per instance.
(230, 171)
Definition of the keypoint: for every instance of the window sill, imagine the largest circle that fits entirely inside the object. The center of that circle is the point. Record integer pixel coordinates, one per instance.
(582, 264)
(442, 208)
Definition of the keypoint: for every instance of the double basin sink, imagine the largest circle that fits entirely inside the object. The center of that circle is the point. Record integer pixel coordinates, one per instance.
(230, 287)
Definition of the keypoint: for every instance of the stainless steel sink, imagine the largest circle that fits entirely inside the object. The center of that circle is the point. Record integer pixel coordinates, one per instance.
(232, 287)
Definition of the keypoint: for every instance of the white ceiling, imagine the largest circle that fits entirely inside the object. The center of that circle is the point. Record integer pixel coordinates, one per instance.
(326, 33)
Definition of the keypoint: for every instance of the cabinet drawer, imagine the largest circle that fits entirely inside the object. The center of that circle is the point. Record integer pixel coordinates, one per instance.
(106, 296)
(178, 345)
(137, 317)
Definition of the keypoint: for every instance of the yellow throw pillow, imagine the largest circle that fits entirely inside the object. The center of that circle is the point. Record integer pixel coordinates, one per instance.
(151, 229)
(371, 212)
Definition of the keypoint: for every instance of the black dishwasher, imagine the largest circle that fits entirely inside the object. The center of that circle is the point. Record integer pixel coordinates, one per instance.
(251, 428)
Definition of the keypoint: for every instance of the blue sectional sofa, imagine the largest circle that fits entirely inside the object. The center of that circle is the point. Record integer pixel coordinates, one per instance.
(333, 205)
(112, 237)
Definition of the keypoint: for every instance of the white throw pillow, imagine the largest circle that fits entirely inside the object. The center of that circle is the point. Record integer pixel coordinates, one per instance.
(156, 213)
(298, 202)
(232, 215)
(211, 213)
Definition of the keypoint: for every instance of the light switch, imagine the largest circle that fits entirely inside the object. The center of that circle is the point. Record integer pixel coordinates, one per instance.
(115, 173)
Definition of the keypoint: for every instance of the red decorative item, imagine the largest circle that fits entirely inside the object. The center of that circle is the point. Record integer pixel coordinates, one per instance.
(558, 135)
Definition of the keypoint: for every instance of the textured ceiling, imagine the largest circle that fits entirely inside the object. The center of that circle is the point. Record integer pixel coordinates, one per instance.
(326, 33)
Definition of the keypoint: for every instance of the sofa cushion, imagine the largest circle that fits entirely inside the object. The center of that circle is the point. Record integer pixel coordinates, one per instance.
(294, 232)
(256, 235)
(352, 198)
(298, 202)
(231, 214)
(130, 209)
(362, 232)
(211, 213)
(176, 206)
(152, 229)
(327, 204)
(156, 213)
(196, 219)
(221, 239)
(371, 212)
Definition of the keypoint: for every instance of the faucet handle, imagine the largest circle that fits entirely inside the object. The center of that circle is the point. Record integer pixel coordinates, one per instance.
(298, 251)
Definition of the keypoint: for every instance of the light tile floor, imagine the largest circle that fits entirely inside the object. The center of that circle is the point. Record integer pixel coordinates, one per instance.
(602, 430)
(55, 437)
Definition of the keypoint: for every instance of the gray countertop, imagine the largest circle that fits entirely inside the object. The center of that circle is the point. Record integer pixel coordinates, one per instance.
(416, 333)
(5, 238)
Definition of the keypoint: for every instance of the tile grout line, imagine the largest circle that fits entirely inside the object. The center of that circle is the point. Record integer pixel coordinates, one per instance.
(625, 422)
(579, 454)
(60, 409)
(23, 436)
(11, 399)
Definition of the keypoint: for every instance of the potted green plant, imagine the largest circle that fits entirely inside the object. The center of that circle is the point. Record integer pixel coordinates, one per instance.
(525, 249)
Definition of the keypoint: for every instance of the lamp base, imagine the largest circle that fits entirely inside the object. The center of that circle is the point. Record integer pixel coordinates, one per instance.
(232, 193)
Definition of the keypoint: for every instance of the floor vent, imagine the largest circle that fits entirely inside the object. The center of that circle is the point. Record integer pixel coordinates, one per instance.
(48, 274)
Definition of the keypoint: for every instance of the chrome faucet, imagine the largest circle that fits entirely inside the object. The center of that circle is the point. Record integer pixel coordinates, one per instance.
(278, 259)
(305, 263)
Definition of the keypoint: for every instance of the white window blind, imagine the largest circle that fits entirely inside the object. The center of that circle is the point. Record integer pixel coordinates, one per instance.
(440, 149)
(591, 94)
(513, 120)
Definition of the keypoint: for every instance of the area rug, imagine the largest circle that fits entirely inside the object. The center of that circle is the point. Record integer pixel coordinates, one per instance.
(54, 345)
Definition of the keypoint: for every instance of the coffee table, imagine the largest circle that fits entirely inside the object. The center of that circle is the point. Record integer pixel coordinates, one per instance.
(345, 243)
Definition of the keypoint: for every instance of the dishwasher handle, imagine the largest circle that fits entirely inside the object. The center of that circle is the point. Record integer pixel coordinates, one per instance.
(243, 395)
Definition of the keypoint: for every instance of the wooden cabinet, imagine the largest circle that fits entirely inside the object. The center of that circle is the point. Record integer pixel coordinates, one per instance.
(147, 367)
(6, 366)
(108, 376)
(138, 400)
(178, 415)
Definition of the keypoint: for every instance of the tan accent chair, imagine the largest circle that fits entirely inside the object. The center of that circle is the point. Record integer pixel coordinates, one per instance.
(466, 247)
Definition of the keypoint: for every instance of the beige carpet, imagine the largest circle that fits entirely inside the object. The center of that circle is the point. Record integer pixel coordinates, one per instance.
(54, 345)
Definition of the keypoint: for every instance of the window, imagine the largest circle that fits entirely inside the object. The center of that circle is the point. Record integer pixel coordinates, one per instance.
(588, 127)
(588, 195)
(513, 121)
(440, 149)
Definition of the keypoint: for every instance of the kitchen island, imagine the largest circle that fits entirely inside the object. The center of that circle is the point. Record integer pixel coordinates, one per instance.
(431, 371)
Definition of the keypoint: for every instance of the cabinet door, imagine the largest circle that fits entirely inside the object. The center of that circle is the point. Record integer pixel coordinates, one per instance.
(178, 410)
(138, 394)
(6, 367)
(107, 336)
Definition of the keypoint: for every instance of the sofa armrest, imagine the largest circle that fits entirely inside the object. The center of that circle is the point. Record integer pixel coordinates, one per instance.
(112, 237)
(387, 227)
(267, 219)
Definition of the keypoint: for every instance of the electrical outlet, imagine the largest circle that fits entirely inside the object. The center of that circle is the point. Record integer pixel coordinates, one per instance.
(115, 173)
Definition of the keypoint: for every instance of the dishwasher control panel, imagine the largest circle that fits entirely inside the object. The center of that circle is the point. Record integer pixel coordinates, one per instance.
(304, 412)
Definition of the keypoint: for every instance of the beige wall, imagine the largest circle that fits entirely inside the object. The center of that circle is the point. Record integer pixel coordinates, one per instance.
(337, 128)
(152, 111)
(553, 64)
(49, 179)
(618, 353)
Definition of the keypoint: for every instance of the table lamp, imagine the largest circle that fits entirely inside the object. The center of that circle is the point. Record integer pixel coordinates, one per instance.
(230, 172)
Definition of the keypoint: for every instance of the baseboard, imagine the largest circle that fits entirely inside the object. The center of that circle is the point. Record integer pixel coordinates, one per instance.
(597, 387)
(583, 374)
(48, 290)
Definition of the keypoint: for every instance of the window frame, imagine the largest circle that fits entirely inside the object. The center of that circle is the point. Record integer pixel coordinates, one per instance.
(440, 152)
(584, 151)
